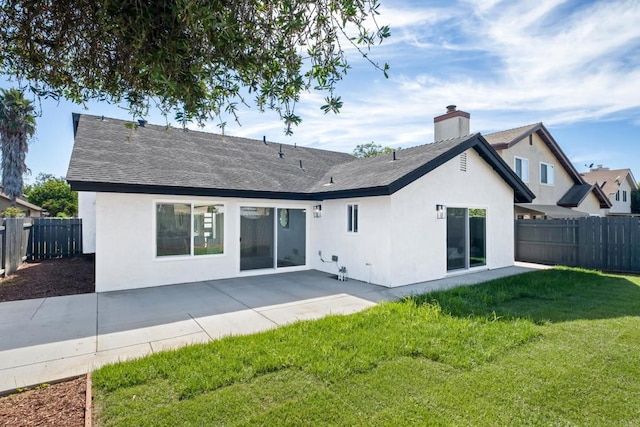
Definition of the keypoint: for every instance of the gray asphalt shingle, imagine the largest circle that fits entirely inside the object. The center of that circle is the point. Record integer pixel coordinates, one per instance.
(108, 156)
(105, 151)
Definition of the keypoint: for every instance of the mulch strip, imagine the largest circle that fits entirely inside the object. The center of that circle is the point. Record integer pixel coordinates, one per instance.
(61, 404)
(50, 278)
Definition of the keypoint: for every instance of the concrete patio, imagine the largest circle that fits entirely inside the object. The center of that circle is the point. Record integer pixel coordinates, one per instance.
(49, 339)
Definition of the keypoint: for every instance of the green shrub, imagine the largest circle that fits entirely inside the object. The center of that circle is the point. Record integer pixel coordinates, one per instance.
(13, 212)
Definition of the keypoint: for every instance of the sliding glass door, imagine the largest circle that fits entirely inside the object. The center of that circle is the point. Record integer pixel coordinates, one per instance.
(466, 238)
(272, 238)
(477, 237)
(292, 237)
(256, 238)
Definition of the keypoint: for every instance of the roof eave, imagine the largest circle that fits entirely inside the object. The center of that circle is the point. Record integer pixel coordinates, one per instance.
(522, 194)
(605, 203)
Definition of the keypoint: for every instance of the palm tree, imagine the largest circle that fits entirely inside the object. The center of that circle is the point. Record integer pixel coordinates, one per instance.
(17, 126)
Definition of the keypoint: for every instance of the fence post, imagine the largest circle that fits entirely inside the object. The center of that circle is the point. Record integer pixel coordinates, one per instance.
(13, 240)
(3, 250)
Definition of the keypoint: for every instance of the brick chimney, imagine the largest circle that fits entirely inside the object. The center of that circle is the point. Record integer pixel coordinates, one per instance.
(453, 124)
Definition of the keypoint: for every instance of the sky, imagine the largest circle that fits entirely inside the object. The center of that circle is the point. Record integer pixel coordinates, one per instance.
(573, 65)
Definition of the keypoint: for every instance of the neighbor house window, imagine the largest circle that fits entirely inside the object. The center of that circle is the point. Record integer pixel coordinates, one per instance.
(624, 195)
(546, 173)
(522, 168)
(618, 196)
(189, 229)
(352, 218)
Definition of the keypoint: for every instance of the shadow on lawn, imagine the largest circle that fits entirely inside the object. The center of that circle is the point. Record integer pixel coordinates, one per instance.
(555, 295)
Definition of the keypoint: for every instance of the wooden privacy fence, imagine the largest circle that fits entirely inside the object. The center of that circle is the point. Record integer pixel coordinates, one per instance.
(611, 243)
(38, 238)
(14, 237)
(55, 238)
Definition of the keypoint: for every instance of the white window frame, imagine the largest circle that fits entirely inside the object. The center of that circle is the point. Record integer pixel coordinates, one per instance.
(618, 196)
(550, 174)
(524, 168)
(353, 217)
(191, 255)
(624, 195)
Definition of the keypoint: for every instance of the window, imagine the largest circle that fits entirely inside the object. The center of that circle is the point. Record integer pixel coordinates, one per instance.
(624, 195)
(522, 168)
(618, 196)
(208, 224)
(546, 174)
(189, 229)
(352, 218)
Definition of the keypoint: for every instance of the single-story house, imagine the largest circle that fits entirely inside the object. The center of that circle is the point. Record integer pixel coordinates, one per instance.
(29, 209)
(164, 206)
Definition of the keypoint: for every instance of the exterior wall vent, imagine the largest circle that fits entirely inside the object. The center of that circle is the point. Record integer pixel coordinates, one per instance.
(463, 162)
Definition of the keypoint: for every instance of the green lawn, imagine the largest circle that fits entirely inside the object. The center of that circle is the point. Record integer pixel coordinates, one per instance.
(557, 347)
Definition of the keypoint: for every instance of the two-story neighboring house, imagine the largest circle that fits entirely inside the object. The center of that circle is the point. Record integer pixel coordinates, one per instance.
(617, 184)
(535, 156)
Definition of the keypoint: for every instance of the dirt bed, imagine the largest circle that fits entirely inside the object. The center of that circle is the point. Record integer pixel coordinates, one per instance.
(60, 404)
(49, 278)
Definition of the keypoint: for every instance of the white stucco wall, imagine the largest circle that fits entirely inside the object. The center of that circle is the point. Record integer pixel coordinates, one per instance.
(399, 239)
(367, 253)
(418, 249)
(87, 212)
(620, 206)
(125, 243)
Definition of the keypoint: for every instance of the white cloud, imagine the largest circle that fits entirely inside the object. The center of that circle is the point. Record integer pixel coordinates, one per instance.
(551, 61)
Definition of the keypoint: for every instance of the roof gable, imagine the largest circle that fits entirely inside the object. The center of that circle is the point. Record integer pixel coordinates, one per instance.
(23, 203)
(576, 195)
(158, 160)
(609, 179)
(508, 138)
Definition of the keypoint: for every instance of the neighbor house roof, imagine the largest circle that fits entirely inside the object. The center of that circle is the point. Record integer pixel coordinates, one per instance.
(23, 203)
(110, 157)
(609, 179)
(552, 211)
(508, 138)
(579, 192)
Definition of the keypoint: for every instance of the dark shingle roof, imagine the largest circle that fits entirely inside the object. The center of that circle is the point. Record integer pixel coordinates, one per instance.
(575, 195)
(382, 170)
(106, 151)
(579, 192)
(109, 157)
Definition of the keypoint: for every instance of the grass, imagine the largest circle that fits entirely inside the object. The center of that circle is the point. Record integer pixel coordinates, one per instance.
(545, 348)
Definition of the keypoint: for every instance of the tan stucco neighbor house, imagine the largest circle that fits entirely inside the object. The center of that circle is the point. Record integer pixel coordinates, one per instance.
(537, 159)
(561, 192)
(29, 209)
(617, 184)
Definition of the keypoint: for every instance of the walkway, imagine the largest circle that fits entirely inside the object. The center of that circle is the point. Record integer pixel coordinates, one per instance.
(49, 339)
